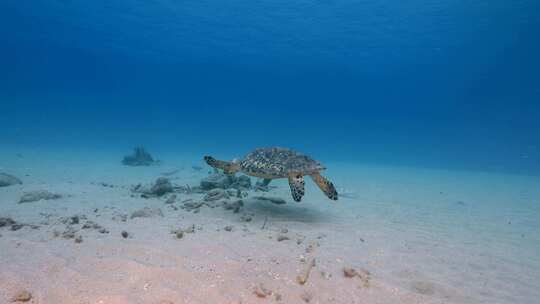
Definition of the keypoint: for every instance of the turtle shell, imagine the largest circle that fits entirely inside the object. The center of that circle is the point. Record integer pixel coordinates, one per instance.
(276, 162)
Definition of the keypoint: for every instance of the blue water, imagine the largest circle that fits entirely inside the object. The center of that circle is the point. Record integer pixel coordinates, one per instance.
(443, 84)
(382, 92)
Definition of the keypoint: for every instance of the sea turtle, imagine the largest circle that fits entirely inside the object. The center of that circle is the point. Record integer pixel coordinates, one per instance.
(275, 162)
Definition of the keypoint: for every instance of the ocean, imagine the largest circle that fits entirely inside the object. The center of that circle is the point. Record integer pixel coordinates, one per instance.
(426, 116)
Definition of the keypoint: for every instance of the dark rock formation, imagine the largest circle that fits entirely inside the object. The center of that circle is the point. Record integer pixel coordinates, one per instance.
(217, 180)
(6, 221)
(139, 158)
(161, 186)
(8, 180)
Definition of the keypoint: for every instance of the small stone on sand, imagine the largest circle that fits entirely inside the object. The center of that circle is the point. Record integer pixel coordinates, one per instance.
(22, 296)
(349, 272)
(235, 206)
(261, 292)
(364, 275)
(282, 237)
(74, 220)
(216, 194)
(179, 234)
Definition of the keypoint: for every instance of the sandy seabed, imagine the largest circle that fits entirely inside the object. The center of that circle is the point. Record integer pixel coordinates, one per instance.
(424, 236)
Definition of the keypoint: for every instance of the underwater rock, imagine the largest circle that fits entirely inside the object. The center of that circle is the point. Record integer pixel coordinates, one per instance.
(38, 195)
(16, 227)
(147, 212)
(79, 239)
(179, 233)
(22, 296)
(8, 180)
(69, 233)
(91, 225)
(349, 272)
(187, 189)
(228, 228)
(171, 199)
(190, 205)
(246, 218)
(125, 234)
(261, 291)
(282, 237)
(139, 158)
(119, 217)
(242, 182)
(363, 274)
(161, 187)
(6, 221)
(216, 194)
(13, 225)
(235, 206)
(190, 229)
(74, 220)
(217, 180)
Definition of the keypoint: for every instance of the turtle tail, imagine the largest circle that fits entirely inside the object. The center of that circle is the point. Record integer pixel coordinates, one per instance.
(227, 167)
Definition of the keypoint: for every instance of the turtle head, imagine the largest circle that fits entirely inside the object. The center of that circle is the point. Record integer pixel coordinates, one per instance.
(227, 167)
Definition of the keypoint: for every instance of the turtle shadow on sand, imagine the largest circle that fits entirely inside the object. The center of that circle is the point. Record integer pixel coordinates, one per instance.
(290, 213)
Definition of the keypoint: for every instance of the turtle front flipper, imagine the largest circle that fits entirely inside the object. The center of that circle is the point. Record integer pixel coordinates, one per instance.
(326, 186)
(227, 167)
(296, 181)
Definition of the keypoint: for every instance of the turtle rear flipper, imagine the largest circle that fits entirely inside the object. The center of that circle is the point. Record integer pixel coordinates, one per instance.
(227, 167)
(296, 182)
(326, 186)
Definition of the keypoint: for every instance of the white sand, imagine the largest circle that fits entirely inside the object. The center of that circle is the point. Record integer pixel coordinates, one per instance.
(404, 225)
